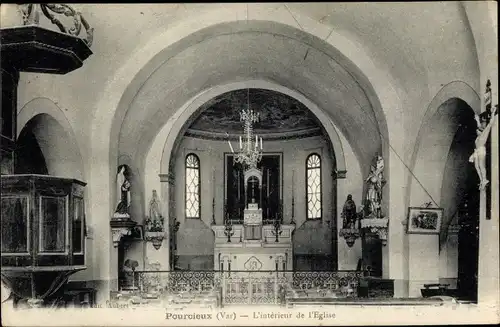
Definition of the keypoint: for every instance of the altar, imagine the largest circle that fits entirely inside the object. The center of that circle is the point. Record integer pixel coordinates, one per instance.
(253, 245)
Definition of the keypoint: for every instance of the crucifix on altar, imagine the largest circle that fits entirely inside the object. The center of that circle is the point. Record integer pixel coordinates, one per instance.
(253, 191)
(253, 185)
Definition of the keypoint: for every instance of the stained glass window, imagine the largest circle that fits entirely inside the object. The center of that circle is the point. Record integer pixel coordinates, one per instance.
(192, 186)
(313, 176)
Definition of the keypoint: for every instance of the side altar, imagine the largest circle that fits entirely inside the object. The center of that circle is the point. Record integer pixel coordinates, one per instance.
(253, 245)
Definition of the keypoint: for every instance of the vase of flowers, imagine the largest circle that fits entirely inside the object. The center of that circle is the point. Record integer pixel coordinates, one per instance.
(154, 232)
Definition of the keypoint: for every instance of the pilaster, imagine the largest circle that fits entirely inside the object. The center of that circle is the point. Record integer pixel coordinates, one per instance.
(162, 254)
(489, 254)
(395, 253)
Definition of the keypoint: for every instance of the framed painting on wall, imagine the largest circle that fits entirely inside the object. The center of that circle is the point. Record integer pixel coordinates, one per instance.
(424, 220)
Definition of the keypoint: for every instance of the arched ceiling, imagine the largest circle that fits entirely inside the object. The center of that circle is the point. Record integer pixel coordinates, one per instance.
(406, 39)
(256, 50)
(420, 46)
(279, 115)
(419, 43)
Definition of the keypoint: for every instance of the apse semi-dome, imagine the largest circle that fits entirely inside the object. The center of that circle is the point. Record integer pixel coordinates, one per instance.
(281, 116)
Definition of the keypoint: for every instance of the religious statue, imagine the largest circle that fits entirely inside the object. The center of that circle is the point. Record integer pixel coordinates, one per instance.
(154, 207)
(123, 192)
(478, 157)
(349, 213)
(349, 231)
(154, 223)
(375, 182)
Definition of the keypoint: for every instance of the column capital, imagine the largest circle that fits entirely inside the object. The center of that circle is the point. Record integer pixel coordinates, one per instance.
(167, 178)
(339, 174)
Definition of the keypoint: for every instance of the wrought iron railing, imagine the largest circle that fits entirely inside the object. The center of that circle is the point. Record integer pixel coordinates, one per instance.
(243, 287)
(31, 16)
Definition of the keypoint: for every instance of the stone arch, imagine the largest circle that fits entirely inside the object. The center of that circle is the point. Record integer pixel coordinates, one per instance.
(177, 125)
(445, 115)
(55, 136)
(121, 90)
(172, 132)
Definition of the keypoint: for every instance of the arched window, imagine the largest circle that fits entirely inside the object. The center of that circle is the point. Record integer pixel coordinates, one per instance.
(192, 186)
(313, 181)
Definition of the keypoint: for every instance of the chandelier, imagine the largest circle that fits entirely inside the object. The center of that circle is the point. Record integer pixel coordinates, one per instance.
(250, 152)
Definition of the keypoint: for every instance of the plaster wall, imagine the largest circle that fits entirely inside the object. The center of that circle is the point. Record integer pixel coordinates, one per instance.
(424, 262)
(448, 260)
(348, 256)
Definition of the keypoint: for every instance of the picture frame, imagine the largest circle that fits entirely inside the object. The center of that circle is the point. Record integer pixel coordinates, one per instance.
(423, 220)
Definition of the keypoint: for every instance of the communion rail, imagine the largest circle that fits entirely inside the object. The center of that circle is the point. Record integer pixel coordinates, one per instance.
(216, 288)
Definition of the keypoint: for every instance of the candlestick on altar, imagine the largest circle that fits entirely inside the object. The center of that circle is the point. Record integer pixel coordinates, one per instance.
(261, 143)
(241, 143)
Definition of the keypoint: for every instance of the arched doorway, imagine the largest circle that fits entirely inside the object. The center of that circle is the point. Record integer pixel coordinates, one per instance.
(448, 180)
(29, 157)
(290, 132)
(460, 186)
(460, 196)
(45, 147)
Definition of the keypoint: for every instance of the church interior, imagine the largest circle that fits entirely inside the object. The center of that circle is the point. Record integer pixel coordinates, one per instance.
(244, 154)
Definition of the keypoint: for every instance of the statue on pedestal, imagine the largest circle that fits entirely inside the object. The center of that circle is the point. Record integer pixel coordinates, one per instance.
(123, 193)
(372, 218)
(349, 213)
(154, 222)
(349, 229)
(375, 182)
(154, 207)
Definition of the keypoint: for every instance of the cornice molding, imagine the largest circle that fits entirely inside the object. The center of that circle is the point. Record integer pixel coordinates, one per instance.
(222, 136)
(167, 178)
(340, 174)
